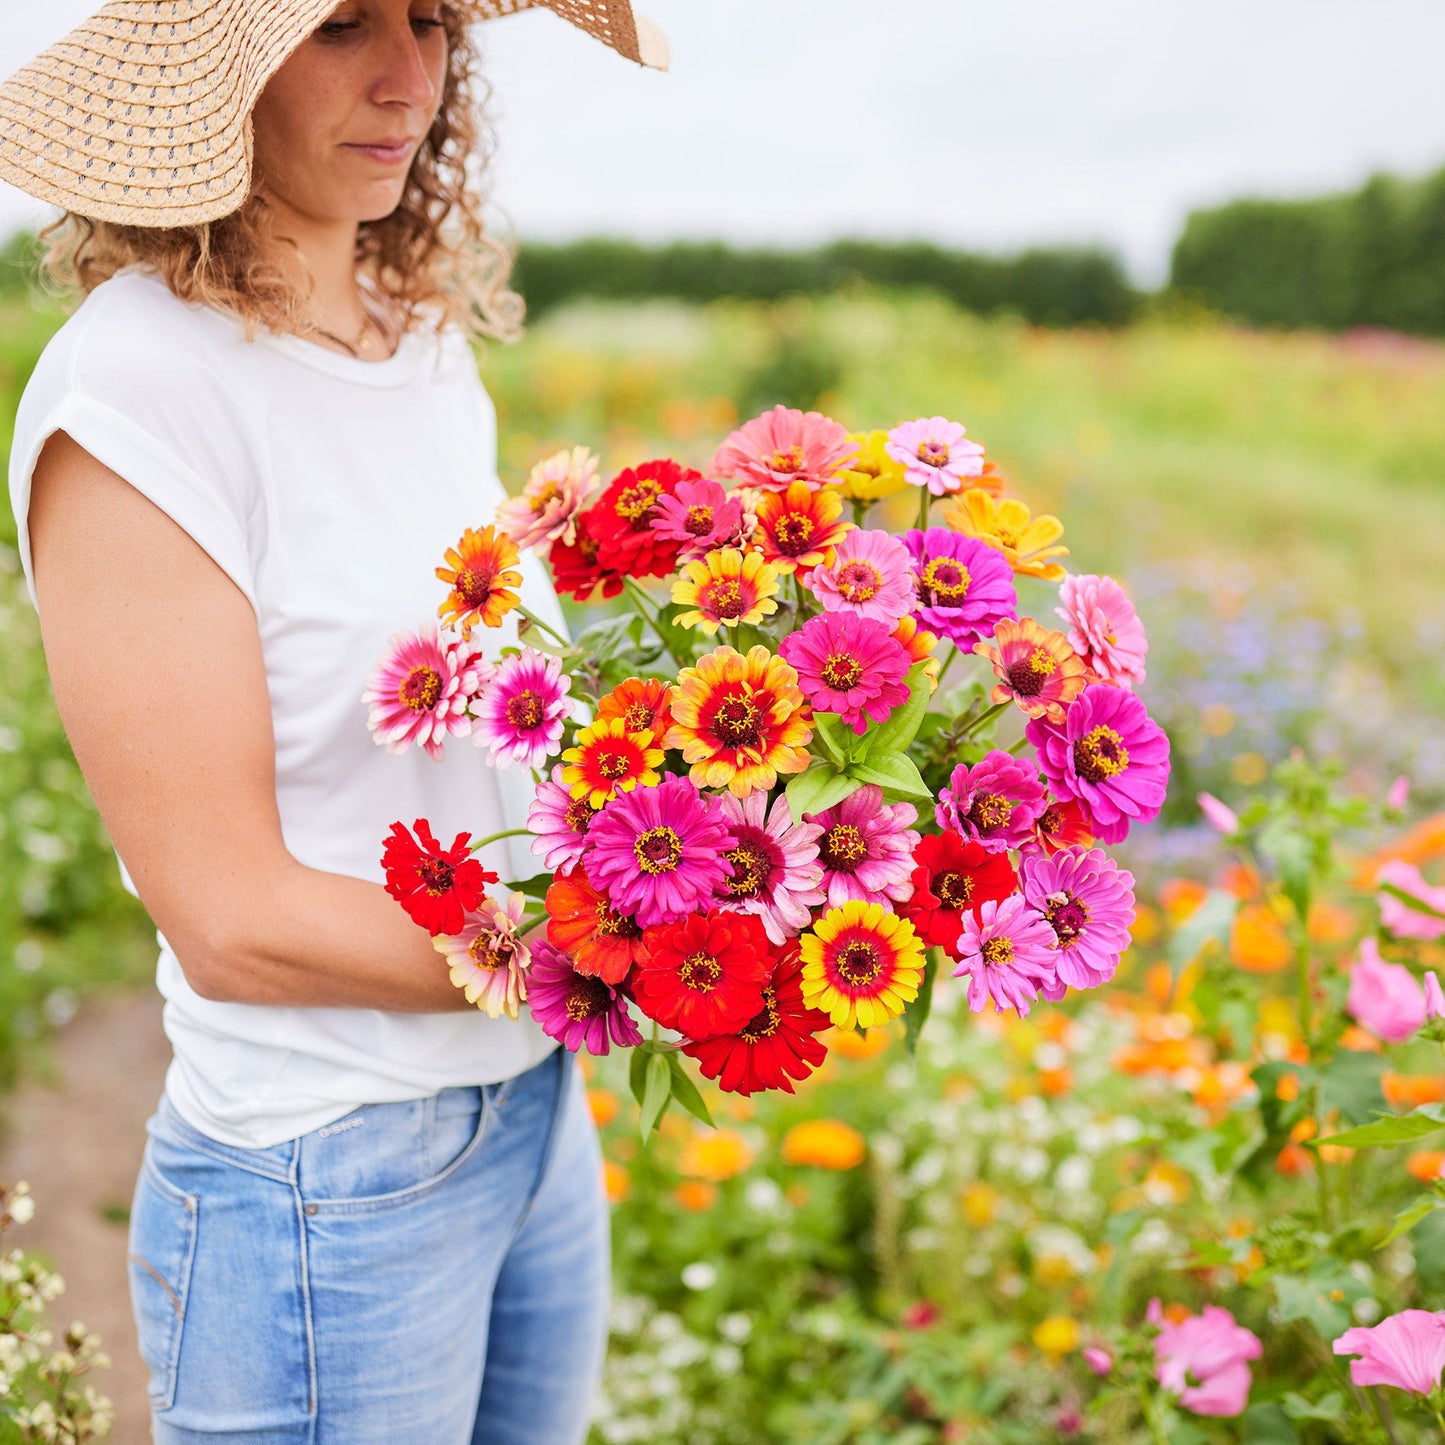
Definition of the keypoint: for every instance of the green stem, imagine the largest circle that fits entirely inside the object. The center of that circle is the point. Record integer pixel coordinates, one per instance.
(860, 511)
(550, 631)
(1382, 1409)
(497, 838)
(1018, 747)
(982, 718)
(643, 604)
(943, 671)
(1151, 1418)
(798, 599)
(1439, 1419)
(924, 497)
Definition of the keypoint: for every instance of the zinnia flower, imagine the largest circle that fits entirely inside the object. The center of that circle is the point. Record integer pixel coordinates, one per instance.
(950, 878)
(560, 822)
(934, 454)
(824, 1144)
(920, 645)
(867, 848)
(774, 1047)
(488, 959)
(784, 446)
(849, 665)
(577, 570)
(519, 716)
(861, 965)
(776, 873)
(872, 474)
(1204, 1360)
(621, 521)
(657, 852)
(599, 940)
(703, 974)
(1060, 825)
(740, 720)
(798, 528)
(421, 689)
(1008, 953)
(869, 575)
(437, 886)
(1088, 901)
(1026, 544)
(1398, 916)
(480, 573)
(698, 516)
(578, 1011)
(995, 802)
(1385, 997)
(1104, 628)
(555, 493)
(641, 702)
(725, 588)
(1406, 1350)
(964, 589)
(1110, 755)
(608, 759)
(1036, 668)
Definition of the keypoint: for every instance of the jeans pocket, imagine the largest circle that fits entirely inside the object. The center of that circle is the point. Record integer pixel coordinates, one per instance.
(162, 1250)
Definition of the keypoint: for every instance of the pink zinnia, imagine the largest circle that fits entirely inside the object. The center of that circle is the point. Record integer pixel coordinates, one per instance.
(1110, 755)
(578, 1011)
(1088, 901)
(1398, 916)
(1434, 996)
(1385, 997)
(521, 712)
(849, 665)
(560, 822)
(658, 852)
(554, 497)
(1212, 1351)
(784, 446)
(421, 690)
(488, 958)
(996, 802)
(1406, 1350)
(776, 873)
(1104, 629)
(700, 516)
(867, 848)
(1007, 950)
(934, 453)
(869, 575)
(963, 588)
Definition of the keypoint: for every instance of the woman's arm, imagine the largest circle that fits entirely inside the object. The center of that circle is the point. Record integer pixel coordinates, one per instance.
(156, 664)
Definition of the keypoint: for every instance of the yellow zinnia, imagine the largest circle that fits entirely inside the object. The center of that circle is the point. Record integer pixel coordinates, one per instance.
(873, 474)
(1006, 525)
(861, 964)
(725, 588)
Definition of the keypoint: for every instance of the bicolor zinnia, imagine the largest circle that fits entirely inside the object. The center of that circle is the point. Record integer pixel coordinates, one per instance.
(480, 570)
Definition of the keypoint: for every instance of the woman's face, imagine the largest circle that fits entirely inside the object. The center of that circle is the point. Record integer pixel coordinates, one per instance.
(337, 126)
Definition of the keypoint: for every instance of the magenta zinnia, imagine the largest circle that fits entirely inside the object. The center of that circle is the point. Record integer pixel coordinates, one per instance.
(699, 516)
(849, 665)
(658, 852)
(1088, 901)
(1008, 953)
(521, 711)
(578, 1011)
(935, 454)
(867, 848)
(1104, 629)
(784, 446)
(869, 575)
(963, 587)
(421, 690)
(775, 869)
(560, 822)
(995, 802)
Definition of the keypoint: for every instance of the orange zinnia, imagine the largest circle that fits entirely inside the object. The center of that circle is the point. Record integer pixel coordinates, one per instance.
(641, 702)
(825, 1144)
(601, 942)
(480, 573)
(799, 528)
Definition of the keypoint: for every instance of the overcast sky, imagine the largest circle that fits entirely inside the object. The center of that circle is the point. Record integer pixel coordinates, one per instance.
(980, 125)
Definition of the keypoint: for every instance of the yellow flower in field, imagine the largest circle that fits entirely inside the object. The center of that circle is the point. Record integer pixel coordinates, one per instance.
(861, 964)
(1057, 1335)
(725, 588)
(825, 1144)
(874, 474)
(850, 1044)
(1005, 524)
(979, 1204)
(716, 1155)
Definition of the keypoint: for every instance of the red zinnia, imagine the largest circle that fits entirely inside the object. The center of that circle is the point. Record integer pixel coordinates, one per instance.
(601, 942)
(621, 522)
(776, 1045)
(575, 568)
(953, 877)
(703, 975)
(437, 886)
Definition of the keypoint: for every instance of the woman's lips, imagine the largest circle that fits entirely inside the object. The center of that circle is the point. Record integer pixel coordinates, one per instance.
(386, 154)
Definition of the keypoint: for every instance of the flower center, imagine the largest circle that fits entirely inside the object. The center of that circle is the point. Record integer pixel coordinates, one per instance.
(579, 814)
(586, 998)
(612, 765)
(698, 522)
(933, 453)
(752, 868)
(546, 494)
(1051, 821)
(944, 581)
(474, 585)
(699, 972)
(858, 963)
(789, 460)
(637, 717)
(953, 889)
(1100, 754)
(525, 711)
(998, 951)
(612, 924)
(421, 688)
(1068, 914)
(736, 722)
(635, 503)
(484, 954)
(724, 600)
(1029, 674)
(794, 534)
(658, 850)
(436, 875)
(844, 847)
(841, 671)
(763, 1024)
(858, 581)
(990, 812)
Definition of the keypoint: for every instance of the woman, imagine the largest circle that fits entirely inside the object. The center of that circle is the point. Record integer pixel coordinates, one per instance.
(366, 1211)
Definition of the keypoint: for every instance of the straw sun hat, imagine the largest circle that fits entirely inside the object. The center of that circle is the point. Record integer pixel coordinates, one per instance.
(142, 114)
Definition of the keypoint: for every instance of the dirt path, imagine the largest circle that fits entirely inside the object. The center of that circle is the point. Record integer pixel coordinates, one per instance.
(79, 1144)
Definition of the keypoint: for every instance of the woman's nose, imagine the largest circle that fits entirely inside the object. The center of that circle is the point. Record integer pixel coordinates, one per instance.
(403, 73)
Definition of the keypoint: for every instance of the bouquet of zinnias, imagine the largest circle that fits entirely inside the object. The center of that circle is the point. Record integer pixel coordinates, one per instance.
(763, 805)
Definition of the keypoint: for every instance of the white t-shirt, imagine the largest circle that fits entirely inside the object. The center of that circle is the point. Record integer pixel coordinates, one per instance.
(327, 488)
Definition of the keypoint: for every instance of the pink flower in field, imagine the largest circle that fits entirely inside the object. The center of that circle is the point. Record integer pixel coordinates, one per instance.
(560, 822)
(421, 689)
(1205, 1359)
(1007, 950)
(1398, 797)
(1406, 1350)
(784, 446)
(996, 802)
(521, 712)
(1385, 997)
(849, 665)
(869, 575)
(488, 958)
(1088, 901)
(1434, 997)
(934, 454)
(556, 493)
(1100, 1362)
(1218, 815)
(1104, 629)
(700, 516)
(1398, 916)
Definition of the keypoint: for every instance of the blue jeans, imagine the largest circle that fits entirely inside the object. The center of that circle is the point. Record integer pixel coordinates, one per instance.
(432, 1271)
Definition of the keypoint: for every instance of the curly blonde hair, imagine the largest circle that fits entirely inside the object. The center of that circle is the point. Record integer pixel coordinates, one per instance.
(432, 256)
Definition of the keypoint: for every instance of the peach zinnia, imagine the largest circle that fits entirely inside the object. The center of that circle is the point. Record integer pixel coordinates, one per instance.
(725, 588)
(480, 573)
(740, 720)
(798, 528)
(609, 759)
(1036, 667)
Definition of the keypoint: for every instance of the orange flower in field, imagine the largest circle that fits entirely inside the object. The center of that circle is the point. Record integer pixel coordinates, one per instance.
(1426, 840)
(1292, 1161)
(617, 1182)
(480, 573)
(641, 702)
(716, 1155)
(1360, 1040)
(1054, 1082)
(1241, 881)
(1036, 668)
(1409, 1091)
(1180, 897)
(1425, 1164)
(799, 528)
(825, 1144)
(1258, 942)
(850, 1044)
(1330, 923)
(697, 1196)
(604, 1106)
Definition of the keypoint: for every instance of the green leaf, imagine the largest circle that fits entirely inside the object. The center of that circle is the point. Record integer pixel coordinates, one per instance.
(916, 1014)
(1391, 1130)
(656, 1091)
(1313, 1299)
(686, 1092)
(897, 731)
(1268, 1424)
(1290, 851)
(1327, 1407)
(834, 736)
(820, 788)
(537, 886)
(637, 1072)
(1407, 1219)
(1418, 904)
(1350, 1082)
(1209, 923)
(895, 774)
